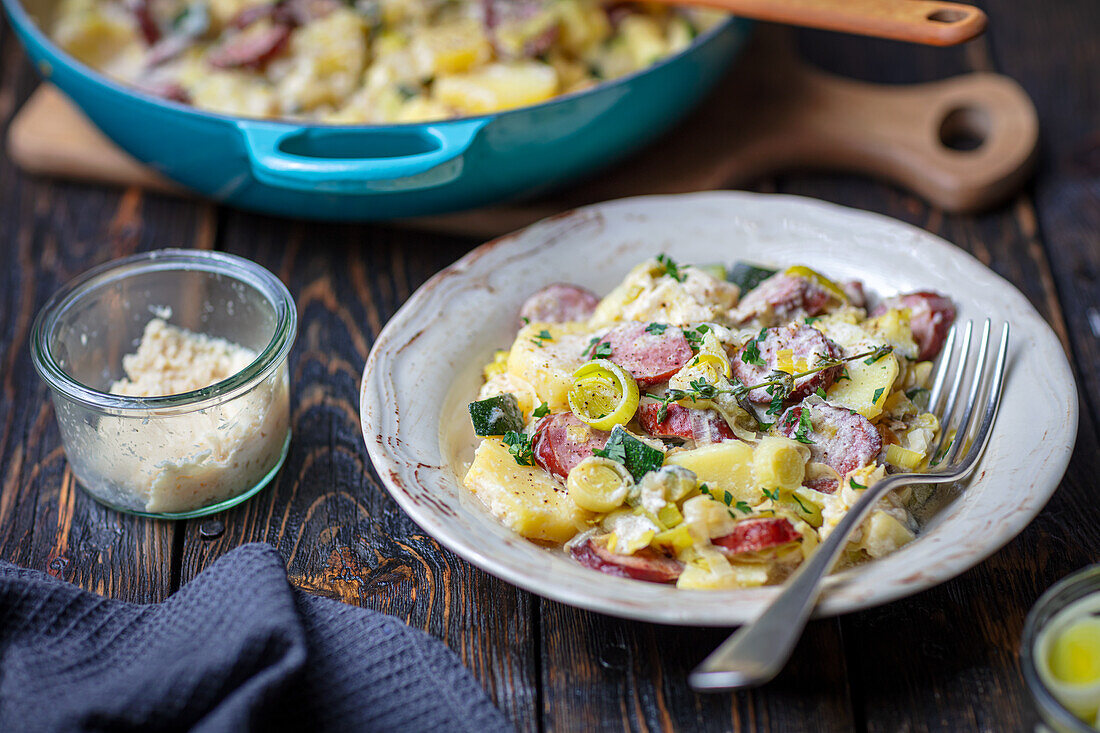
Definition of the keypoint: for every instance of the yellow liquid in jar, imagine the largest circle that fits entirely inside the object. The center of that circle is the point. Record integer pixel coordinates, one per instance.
(1068, 654)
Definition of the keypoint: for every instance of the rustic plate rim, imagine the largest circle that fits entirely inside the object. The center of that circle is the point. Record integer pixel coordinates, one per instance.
(834, 602)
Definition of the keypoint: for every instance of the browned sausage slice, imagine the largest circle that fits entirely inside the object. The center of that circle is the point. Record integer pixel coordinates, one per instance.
(842, 439)
(651, 357)
(561, 441)
(930, 318)
(143, 14)
(755, 534)
(782, 298)
(515, 14)
(251, 49)
(642, 565)
(702, 426)
(559, 303)
(808, 345)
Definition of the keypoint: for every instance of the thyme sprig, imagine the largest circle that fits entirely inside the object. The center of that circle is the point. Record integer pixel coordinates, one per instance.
(779, 385)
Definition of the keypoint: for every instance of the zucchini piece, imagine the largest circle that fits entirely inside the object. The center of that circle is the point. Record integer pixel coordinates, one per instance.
(718, 271)
(747, 277)
(638, 457)
(496, 415)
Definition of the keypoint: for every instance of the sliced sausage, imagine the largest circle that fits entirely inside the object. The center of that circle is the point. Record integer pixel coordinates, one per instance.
(807, 344)
(930, 318)
(559, 303)
(702, 426)
(166, 90)
(251, 49)
(857, 296)
(755, 534)
(782, 298)
(644, 564)
(513, 14)
(301, 12)
(287, 12)
(143, 14)
(842, 439)
(651, 357)
(561, 441)
(168, 48)
(250, 15)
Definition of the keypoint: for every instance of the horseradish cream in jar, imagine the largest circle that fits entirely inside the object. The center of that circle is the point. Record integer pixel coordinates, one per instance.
(169, 379)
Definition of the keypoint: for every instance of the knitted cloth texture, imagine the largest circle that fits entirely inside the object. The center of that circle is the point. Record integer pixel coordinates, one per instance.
(236, 649)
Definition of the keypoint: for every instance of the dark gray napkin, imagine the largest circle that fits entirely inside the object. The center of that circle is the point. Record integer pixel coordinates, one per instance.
(236, 649)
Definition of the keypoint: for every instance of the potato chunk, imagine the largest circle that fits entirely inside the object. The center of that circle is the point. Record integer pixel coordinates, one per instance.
(725, 466)
(867, 386)
(525, 498)
(548, 364)
(497, 86)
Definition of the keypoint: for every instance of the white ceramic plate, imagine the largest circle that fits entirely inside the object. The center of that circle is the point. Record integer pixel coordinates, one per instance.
(425, 368)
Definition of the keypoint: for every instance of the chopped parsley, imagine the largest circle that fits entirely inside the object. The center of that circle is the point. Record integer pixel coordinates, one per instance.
(773, 495)
(878, 393)
(526, 320)
(519, 445)
(656, 328)
(778, 393)
(670, 268)
(727, 499)
(751, 352)
(800, 504)
(542, 337)
(597, 349)
(820, 392)
(695, 335)
(809, 321)
(844, 375)
(805, 427)
(855, 484)
(541, 411)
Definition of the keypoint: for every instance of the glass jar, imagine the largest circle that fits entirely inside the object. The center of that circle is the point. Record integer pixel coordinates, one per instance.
(181, 455)
(1034, 651)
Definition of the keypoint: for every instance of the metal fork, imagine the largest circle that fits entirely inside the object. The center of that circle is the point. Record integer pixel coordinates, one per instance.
(757, 651)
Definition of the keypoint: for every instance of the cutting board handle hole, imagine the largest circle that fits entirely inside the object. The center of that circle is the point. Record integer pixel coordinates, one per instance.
(381, 144)
(965, 128)
(947, 15)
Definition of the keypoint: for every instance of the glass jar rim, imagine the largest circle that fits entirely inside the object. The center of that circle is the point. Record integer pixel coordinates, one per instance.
(243, 270)
(1054, 596)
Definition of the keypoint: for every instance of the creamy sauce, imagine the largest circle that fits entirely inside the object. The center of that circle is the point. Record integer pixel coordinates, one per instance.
(183, 462)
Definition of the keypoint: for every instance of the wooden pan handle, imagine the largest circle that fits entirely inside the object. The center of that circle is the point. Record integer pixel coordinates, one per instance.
(919, 21)
(962, 143)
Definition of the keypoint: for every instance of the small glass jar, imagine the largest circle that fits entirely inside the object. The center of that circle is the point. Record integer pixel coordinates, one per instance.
(181, 455)
(1033, 650)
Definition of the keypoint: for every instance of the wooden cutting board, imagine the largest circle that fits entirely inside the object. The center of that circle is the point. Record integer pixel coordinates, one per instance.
(771, 113)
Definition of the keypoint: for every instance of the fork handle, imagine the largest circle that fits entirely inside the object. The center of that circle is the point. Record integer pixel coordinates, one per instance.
(757, 651)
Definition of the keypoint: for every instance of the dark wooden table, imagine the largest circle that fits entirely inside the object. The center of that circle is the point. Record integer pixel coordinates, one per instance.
(942, 660)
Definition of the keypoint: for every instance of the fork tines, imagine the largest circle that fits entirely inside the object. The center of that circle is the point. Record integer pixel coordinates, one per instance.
(963, 431)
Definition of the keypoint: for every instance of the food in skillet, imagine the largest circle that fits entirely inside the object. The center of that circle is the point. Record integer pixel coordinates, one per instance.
(369, 61)
(705, 430)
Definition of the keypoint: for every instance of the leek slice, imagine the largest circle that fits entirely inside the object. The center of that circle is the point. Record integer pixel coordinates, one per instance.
(603, 394)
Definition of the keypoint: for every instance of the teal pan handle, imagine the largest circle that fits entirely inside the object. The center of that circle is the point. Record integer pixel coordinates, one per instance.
(355, 161)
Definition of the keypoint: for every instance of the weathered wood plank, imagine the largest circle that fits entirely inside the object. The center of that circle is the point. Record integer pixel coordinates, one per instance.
(602, 674)
(50, 233)
(947, 659)
(327, 512)
(1054, 53)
